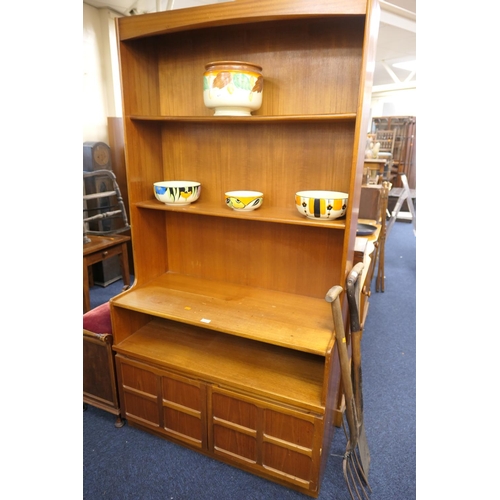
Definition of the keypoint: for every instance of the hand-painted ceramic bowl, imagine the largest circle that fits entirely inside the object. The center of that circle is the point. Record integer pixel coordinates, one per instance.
(232, 88)
(244, 201)
(321, 204)
(177, 192)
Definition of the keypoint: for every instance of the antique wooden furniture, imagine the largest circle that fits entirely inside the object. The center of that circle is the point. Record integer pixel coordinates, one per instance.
(98, 249)
(373, 210)
(386, 140)
(104, 209)
(225, 342)
(99, 372)
(104, 212)
(384, 196)
(404, 145)
(366, 251)
(369, 202)
(375, 168)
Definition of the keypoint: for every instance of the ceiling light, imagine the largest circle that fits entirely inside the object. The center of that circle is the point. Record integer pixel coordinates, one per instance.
(407, 65)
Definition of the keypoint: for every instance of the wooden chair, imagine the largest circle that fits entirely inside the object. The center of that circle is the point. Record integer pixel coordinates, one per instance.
(106, 205)
(99, 373)
(386, 140)
(104, 218)
(384, 198)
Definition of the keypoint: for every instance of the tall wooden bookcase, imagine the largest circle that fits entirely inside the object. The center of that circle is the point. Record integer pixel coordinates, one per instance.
(225, 341)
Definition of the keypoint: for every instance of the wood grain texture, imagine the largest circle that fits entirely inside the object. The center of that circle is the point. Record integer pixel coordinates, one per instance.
(237, 12)
(268, 371)
(233, 305)
(277, 318)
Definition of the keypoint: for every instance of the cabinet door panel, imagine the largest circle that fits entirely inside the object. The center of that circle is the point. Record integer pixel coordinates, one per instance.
(184, 412)
(234, 410)
(142, 409)
(234, 443)
(139, 379)
(289, 428)
(140, 394)
(288, 443)
(234, 427)
(285, 461)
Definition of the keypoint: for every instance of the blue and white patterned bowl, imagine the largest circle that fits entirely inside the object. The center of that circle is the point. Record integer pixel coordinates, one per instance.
(177, 193)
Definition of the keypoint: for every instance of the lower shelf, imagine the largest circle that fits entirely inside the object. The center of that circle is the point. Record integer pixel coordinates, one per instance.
(288, 376)
(293, 321)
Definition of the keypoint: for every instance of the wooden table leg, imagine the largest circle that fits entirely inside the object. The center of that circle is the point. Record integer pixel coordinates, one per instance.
(86, 292)
(125, 266)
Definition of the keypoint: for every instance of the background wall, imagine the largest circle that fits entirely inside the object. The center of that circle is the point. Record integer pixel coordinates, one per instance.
(395, 103)
(101, 81)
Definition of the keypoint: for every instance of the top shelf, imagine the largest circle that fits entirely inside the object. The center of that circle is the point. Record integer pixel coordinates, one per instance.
(233, 13)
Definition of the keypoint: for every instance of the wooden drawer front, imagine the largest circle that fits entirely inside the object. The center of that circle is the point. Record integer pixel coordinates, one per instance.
(288, 444)
(284, 461)
(234, 427)
(140, 394)
(289, 428)
(279, 442)
(184, 415)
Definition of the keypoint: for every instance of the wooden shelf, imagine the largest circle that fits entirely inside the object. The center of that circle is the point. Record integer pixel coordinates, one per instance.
(277, 318)
(248, 119)
(223, 14)
(263, 214)
(268, 371)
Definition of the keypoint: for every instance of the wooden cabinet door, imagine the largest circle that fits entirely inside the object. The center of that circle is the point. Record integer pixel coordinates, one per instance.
(168, 403)
(184, 410)
(139, 393)
(275, 441)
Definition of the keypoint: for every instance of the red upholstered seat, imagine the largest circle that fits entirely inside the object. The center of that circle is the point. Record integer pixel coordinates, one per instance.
(98, 320)
(99, 372)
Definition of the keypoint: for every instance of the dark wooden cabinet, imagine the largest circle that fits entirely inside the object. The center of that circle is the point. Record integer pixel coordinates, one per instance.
(225, 341)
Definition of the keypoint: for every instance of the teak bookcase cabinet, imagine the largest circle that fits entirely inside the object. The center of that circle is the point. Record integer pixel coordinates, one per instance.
(225, 341)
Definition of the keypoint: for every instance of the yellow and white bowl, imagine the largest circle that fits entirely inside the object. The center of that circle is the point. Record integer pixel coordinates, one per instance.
(317, 204)
(177, 192)
(244, 201)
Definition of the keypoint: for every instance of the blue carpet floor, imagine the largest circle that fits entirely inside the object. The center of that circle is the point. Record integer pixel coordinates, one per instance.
(125, 463)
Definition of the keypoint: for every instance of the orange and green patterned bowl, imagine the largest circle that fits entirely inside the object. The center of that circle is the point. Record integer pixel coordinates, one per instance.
(233, 88)
(317, 204)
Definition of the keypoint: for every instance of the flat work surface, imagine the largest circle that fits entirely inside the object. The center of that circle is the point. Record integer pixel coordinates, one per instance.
(294, 321)
(101, 248)
(99, 243)
(289, 376)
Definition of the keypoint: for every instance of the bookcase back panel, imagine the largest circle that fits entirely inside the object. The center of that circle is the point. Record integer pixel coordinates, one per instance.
(295, 82)
(295, 259)
(277, 159)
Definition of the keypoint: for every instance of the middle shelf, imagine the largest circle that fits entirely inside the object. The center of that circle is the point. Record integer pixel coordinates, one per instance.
(282, 215)
(297, 322)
